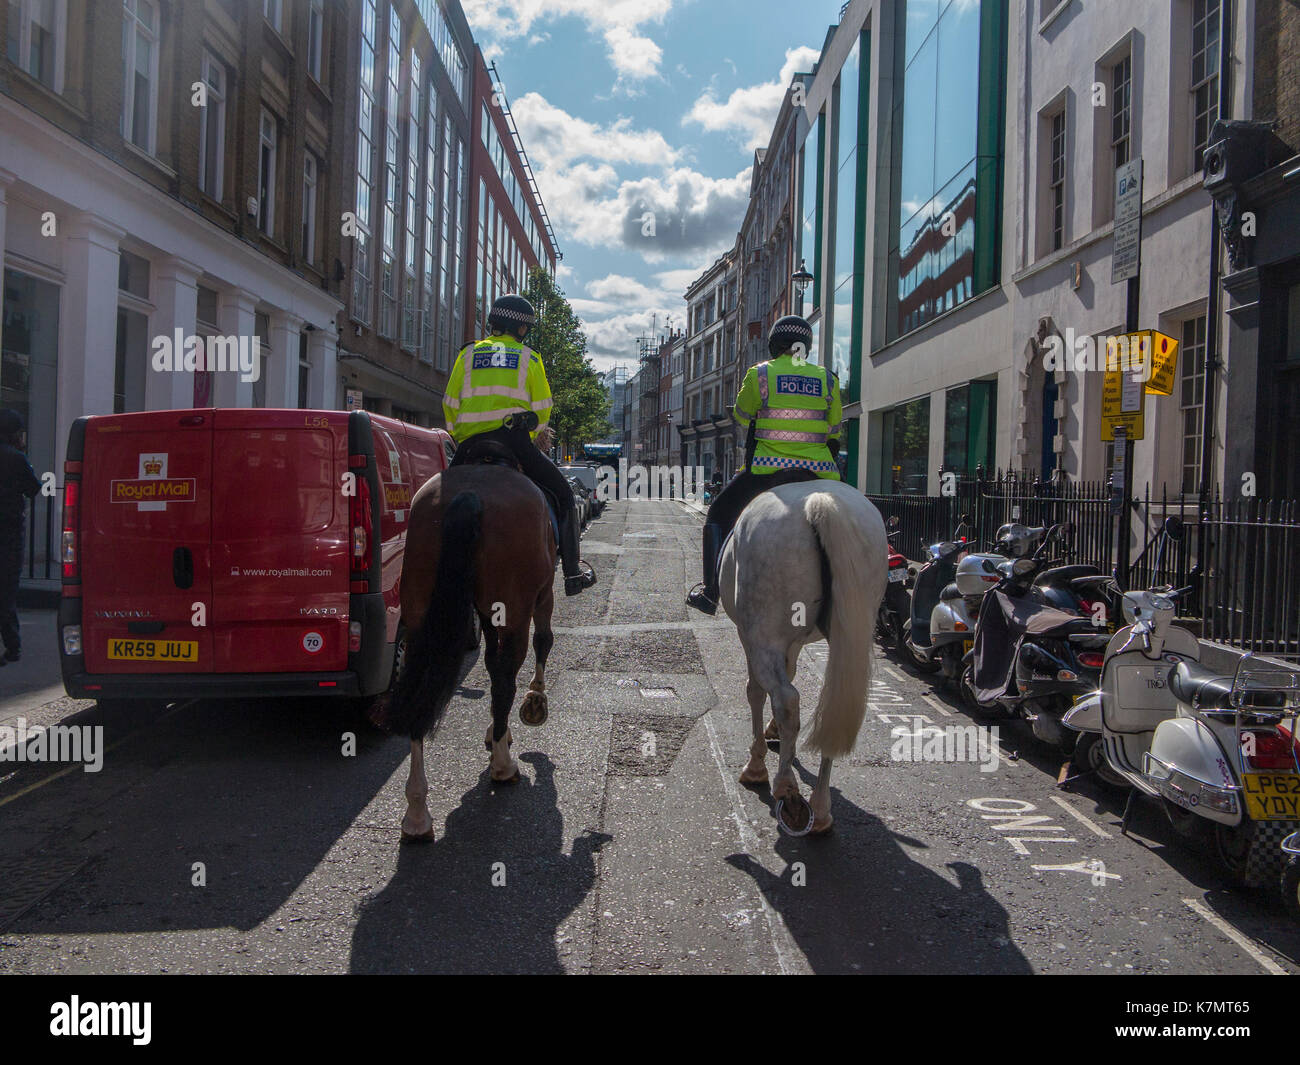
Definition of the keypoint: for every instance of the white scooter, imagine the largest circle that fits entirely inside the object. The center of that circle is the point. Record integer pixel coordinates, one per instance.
(1215, 751)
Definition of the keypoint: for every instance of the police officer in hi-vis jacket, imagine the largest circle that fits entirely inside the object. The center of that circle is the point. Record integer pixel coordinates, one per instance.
(493, 380)
(793, 409)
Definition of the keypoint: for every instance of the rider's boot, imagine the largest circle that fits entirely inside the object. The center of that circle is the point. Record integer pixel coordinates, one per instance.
(704, 597)
(575, 580)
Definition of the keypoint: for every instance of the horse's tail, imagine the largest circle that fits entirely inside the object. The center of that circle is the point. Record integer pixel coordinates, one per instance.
(435, 651)
(843, 702)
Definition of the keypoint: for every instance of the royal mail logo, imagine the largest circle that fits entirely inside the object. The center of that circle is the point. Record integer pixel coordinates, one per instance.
(397, 495)
(153, 467)
(155, 490)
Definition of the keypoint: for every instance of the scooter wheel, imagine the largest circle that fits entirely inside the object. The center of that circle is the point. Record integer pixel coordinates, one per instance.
(1090, 757)
(1232, 845)
(1291, 887)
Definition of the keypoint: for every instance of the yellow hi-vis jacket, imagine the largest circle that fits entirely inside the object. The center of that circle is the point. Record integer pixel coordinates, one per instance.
(796, 406)
(493, 378)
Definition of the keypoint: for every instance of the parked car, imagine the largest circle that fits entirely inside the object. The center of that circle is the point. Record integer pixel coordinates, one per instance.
(587, 475)
(585, 500)
(220, 552)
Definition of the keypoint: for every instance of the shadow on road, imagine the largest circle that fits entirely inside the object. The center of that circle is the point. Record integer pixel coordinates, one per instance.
(441, 911)
(866, 906)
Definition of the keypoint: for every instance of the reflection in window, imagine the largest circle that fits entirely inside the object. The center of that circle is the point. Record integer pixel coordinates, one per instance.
(932, 254)
(906, 452)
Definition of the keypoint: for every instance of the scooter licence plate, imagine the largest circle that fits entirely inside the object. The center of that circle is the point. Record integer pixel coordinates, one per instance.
(966, 645)
(899, 574)
(1272, 796)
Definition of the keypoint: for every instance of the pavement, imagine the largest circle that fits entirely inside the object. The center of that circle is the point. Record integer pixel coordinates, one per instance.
(258, 836)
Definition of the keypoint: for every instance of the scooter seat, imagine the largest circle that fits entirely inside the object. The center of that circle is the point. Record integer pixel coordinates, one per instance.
(1061, 576)
(949, 592)
(1192, 683)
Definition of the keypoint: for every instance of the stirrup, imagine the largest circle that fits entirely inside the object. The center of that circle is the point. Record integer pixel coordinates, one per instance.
(580, 582)
(700, 600)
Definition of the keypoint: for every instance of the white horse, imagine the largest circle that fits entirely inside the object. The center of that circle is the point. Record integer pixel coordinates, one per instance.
(808, 562)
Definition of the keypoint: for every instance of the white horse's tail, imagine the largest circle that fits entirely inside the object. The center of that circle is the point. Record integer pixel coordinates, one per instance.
(843, 702)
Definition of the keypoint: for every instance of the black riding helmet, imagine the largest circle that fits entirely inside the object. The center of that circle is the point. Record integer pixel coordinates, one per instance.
(511, 313)
(786, 333)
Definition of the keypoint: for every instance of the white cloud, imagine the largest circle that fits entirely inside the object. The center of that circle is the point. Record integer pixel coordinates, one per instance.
(632, 54)
(554, 137)
(749, 112)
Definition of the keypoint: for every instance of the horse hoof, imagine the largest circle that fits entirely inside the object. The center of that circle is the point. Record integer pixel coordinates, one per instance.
(797, 820)
(425, 837)
(513, 778)
(753, 776)
(533, 711)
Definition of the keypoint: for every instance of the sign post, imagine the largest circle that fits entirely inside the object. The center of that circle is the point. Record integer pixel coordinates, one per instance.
(1126, 265)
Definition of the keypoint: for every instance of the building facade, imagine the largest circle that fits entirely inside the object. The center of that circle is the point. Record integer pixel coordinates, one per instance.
(507, 217)
(706, 428)
(405, 131)
(167, 170)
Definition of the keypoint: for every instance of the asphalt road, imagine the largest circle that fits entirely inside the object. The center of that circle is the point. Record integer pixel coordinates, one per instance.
(246, 837)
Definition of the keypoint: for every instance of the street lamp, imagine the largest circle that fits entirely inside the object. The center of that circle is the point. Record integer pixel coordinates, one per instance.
(802, 279)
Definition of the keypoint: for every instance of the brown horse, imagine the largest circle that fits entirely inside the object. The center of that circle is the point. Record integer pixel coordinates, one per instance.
(480, 554)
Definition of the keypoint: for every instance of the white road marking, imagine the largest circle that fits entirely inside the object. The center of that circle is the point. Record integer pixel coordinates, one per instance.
(1088, 867)
(1091, 825)
(893, 672)
(614, 628)
(931, 701)
(1240, 938)
(782, 944)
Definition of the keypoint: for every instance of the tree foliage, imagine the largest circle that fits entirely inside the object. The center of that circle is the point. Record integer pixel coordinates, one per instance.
(581, 411)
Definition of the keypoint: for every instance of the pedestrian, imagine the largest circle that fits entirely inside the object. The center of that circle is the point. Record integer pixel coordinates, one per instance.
(18, 483)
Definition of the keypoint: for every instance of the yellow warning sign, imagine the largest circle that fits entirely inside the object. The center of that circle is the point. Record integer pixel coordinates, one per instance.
(1164, 364)
(1148, 352)
(1122, 404)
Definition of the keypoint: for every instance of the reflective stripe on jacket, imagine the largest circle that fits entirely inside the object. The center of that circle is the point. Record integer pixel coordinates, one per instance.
(493, 378)
(796, 409)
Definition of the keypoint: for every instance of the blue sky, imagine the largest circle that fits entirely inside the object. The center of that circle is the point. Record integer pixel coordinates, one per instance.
(629, 108)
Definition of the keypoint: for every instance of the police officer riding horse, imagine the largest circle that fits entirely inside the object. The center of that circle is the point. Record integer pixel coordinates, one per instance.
(792, 410)
(496, 402)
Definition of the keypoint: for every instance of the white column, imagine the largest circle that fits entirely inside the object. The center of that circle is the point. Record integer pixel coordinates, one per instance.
(175, 294)
(88, 323)
(280, 364)
(235, 315)
(323, 381)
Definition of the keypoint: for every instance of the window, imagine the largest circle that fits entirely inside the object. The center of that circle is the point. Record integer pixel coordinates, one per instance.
(1205, 75)
(36, 37)
(1192, 400)
(212, 129)
(412, 226)
(309, 207)
(1056, 180)
(140, 73)
(304, 373)
(266, 174)
(1121, 110)
(392, 181)
(315, 37)
(271, 12)
(362, 270)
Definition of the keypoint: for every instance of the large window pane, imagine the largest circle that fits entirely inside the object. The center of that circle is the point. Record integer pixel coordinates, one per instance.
(956, 114)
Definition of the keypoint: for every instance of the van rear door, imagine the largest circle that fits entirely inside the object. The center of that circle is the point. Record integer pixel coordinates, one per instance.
(146, 543)
(280, 541)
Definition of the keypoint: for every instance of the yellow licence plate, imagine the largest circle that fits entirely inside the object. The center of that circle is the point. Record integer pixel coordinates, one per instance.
(154, 650)
(1272, 796)
(966, 645)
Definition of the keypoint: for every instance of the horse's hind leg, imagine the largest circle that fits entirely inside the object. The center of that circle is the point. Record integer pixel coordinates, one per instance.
(533, 710)
(755, 771)
(821, 799)
(417, 825)
(793, 813)
(504, 657)
(791, 664)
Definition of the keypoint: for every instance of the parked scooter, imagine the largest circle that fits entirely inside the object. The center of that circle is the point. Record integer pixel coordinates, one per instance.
(1218, 752)
(1037, 648)
(929, 642)
(896, 605)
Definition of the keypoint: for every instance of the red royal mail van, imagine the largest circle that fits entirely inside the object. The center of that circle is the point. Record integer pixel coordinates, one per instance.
(219, 552)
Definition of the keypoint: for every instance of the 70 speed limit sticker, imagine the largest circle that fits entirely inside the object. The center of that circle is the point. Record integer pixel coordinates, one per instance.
(312, 642)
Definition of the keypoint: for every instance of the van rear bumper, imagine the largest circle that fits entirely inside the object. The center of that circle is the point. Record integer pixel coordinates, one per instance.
(207, 685)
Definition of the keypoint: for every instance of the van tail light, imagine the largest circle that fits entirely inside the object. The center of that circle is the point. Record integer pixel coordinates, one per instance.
(69, 553)
(1092, 659)
(354, 637)
(1269, 749)
(362, 531)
